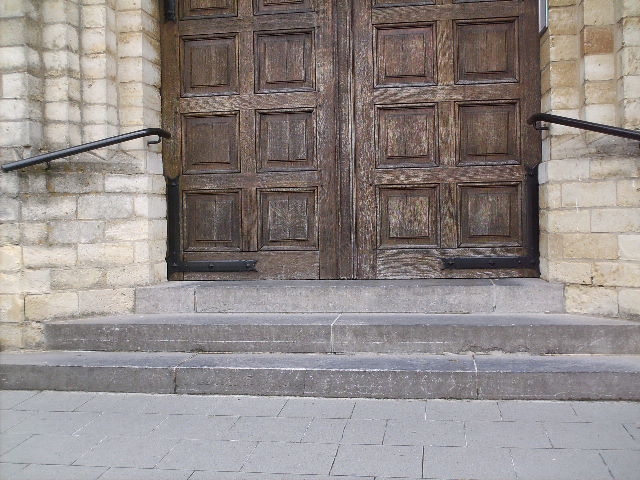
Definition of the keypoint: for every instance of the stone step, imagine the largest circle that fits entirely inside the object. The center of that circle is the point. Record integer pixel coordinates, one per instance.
(348, 333)
(503, 376)
(509, 295)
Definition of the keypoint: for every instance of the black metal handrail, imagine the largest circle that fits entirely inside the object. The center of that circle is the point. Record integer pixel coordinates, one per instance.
(584, 125)
(85, 147)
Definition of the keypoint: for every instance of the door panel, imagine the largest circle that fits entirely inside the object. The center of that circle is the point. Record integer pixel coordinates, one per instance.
(352, 139)
(254, 111)
(440, 148)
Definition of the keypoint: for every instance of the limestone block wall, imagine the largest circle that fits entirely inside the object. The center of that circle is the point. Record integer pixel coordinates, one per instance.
(590, 183)
(77, 236)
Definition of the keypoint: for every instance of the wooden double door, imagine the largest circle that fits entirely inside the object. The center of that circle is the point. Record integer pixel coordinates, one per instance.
(353, 139)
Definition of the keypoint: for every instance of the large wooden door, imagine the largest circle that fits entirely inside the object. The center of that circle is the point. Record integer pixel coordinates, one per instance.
(442, 92)
(353, 139)
(249, 94)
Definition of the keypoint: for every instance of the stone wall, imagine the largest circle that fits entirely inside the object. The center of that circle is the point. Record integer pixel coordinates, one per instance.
(77, 236)
(590, 183)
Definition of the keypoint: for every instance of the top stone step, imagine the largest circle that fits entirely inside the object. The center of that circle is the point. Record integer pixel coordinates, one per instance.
(510, 295)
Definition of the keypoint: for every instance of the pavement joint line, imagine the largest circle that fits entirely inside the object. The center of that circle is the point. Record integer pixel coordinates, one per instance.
(494, 306)
(174, 371)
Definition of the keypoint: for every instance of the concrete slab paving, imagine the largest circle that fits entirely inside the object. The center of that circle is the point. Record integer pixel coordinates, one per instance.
(92, 436)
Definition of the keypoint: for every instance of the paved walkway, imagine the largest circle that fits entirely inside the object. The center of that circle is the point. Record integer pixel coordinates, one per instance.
(86, 436)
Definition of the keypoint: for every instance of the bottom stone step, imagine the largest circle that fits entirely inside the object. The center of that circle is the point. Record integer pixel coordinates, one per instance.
(561, 377)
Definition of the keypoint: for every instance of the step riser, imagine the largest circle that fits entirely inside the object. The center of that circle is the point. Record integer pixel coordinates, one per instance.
(431, 339)
(328, 383)
(454, 296)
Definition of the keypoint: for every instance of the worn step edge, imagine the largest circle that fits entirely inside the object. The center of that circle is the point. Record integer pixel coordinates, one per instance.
(574, 377)
(348, 333)
(402, 296)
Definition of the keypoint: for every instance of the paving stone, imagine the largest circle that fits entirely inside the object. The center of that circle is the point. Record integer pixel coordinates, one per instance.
(379, 460)
(633, 429)
(138, 452)
(54, 423)
(318, 408)
(444, 463)
(208, 455)
(266, 476)
(462, 410)
(180, 404)
(620, 412)
(325, 430)
(12, 398)
(114, 424)
(253, 406)
(50, 449)
(11, 418)
(594, 436)
(195, 427)
(364, 431)
(623, 465)
(427, 433)
(119, 473)
(543, 464)
(8, 441)
(270, 429)
(8, 470)
(117, 402)
(400, 409)
(55, 401)
(58, 472)
(295, 458)
(506, 434)
(538, 411)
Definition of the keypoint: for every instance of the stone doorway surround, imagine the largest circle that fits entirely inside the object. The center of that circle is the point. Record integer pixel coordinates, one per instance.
(78, 237)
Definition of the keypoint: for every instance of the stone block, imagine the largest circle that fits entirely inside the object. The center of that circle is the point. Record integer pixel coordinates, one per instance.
(26, 281)
(9, 210)
(563, 20)
(563, 47)
(10, 336)
(565, 73)
(589, 194)
(10, 233)
(128, 276)
(105, 254)
(629, 61)
(11, 308)
(568, 169)
(600, 113)
(77, 278)
(591, 300)
(617, 274)
(600, 92)
(628, 193)
(128, 183)
(565, 98)
(569, 221)
(59, 36)
(95, 91)
(107, 301)
(94, 16)
(10, 258)
(34, 233)
(49, 208)
(13, 134)
(105, 206)
(48, 256)
(614, 167)
(75, 182)
(599, 67)
(629, 246)
(599, 12)
(629, 300)
(590, 246)
(615, 220)
(51, 305)
(569, 272)
(127, 230)
(597, 39)
(150, 206)
(72, 232)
